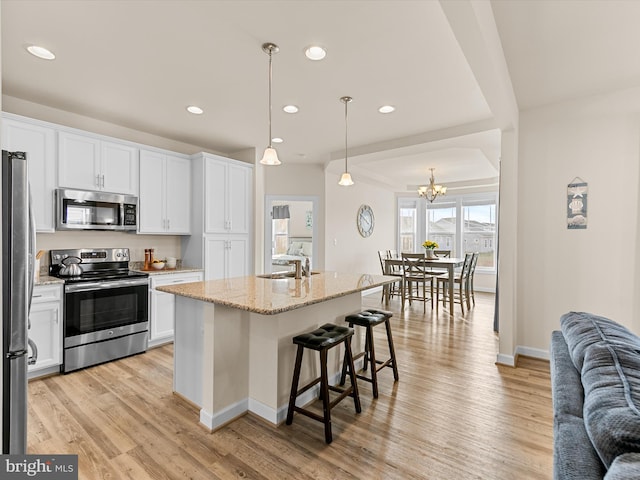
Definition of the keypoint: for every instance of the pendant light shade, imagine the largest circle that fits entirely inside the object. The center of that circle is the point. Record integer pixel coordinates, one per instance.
(270, 156)
(345, 179)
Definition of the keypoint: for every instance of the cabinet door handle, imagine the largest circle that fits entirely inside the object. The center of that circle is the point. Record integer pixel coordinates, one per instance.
(168, 224)
(98, 181)
(102, 181)
(36, 296)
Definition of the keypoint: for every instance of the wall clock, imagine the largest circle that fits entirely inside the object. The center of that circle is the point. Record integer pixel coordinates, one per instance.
(365, 220)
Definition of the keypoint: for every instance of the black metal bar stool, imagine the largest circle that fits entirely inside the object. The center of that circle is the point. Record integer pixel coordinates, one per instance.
(321, 340)
(369, 319)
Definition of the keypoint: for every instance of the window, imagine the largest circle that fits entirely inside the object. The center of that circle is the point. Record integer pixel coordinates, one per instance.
(462, 224)
(441, 226)
(280, 232)
(408, 231)
(479, 231)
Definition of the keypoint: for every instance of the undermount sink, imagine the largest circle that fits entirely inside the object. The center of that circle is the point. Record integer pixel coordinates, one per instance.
(279, 275)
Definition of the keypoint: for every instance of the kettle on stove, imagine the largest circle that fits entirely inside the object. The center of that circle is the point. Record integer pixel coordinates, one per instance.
(71, 267)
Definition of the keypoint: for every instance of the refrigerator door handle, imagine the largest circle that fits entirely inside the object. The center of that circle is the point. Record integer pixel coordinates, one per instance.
(34, 353)
(32, 255)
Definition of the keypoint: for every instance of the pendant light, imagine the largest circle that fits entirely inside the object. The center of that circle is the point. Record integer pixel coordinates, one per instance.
(345, 180)
(270, 156)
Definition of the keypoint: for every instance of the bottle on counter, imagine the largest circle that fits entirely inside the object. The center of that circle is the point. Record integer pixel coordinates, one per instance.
(151, 258)
(146, 259)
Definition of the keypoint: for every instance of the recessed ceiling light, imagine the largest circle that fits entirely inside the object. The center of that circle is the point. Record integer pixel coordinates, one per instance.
(386, 109)
(277, 140)
(41, 52)
(195, 110)
(290, 109)
(315, 52)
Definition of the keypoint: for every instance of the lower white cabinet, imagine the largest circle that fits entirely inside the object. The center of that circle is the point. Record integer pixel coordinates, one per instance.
(162, 311)
(46, 327)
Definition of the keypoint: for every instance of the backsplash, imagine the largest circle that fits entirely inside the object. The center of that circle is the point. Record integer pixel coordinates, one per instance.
(163, 245)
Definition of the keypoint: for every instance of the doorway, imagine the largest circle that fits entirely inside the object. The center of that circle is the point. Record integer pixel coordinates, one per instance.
(291, 230)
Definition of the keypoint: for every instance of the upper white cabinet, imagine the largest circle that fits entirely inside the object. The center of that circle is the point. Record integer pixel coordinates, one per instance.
(222, 217)
(227, 196)
(39, 143)
(165, 194)
(88, 162)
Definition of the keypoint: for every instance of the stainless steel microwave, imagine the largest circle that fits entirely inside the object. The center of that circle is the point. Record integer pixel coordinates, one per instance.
(84, 210)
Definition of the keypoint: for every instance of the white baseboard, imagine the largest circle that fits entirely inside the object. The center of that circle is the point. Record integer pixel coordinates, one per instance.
(215, 421)
(510, 360)
(224, 416)
(532, 352)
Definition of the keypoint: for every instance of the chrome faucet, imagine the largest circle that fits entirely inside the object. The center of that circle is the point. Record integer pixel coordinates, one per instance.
(298, 265)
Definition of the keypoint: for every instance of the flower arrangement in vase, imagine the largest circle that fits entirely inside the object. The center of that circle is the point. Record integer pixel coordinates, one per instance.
(429, 247)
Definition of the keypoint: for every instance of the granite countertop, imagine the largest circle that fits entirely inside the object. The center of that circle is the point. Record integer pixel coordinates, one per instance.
(166, 271)
(47, 280)
(271, 296)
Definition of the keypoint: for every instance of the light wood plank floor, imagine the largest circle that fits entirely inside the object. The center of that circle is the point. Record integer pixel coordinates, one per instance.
(454, 414)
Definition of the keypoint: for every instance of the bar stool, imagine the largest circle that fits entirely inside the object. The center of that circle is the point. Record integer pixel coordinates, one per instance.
(369, 319)
(321, 340)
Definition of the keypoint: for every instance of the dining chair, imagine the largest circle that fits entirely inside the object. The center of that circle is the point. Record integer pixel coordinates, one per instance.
(416, 272)
(462, 280)
(472, 271)
(396, 271)
(443, 253)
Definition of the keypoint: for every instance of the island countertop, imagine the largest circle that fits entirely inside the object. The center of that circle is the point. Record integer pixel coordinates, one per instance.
(269, 296)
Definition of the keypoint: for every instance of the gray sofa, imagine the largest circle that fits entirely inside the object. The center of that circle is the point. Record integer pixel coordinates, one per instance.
(595, 380)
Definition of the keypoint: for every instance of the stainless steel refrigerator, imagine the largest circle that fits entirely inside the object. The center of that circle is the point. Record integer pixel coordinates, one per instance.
(18, 249)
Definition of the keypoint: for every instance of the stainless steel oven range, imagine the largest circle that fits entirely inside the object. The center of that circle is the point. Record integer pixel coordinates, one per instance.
(105, 306)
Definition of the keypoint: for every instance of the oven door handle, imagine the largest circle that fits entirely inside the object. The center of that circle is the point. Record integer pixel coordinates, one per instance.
(88, 286)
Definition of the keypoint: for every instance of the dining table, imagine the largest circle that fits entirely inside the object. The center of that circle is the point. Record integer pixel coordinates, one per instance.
(395, 263)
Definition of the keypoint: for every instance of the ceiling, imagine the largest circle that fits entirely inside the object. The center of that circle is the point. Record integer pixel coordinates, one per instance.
(140, 63)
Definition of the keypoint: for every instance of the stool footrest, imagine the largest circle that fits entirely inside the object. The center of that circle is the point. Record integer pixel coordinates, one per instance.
(308, 386)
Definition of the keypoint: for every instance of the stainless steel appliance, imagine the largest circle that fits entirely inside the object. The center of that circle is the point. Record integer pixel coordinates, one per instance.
(18, 247)
(82, 210)
(105, 307)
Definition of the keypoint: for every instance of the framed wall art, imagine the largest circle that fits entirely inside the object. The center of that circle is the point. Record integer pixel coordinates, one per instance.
(577, 193)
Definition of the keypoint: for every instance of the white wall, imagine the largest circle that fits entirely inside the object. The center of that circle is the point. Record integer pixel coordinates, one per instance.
(594, 270)
(346, 250)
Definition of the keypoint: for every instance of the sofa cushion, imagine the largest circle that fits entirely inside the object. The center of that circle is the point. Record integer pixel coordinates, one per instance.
(566, 384)
(573, 456)
(581, 330)
(624, 467)
(611, 381)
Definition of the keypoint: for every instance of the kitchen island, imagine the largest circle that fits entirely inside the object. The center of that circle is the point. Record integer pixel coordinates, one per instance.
(233, 351)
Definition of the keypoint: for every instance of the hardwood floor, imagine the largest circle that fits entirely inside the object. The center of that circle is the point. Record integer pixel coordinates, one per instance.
(454, 414)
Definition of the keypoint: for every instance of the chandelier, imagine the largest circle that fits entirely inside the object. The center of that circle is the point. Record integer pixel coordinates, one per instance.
(432, 191)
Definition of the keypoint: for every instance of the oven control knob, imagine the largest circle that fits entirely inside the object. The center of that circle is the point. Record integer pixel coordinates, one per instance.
(110, 332)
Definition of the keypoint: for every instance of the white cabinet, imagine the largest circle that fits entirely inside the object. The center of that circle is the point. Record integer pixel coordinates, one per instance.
(39, 143)
(226, 256)
(165, 194)
(46, 327)
(227, 196)
(87, 162)
(162, 305)
(221, 217)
